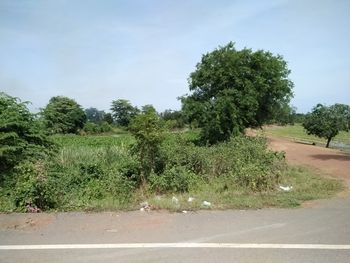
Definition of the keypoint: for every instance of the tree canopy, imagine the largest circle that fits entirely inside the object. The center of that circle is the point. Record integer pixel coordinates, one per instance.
(123, 111)
(63, 115)
(21, 135)
(326, 122)
(233, 89)
(94, 115)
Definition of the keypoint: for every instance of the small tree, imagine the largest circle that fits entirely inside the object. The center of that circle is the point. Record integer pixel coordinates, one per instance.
(327, 122)
(21, 135)
(148, 131)
(123, 111)
(63, 115)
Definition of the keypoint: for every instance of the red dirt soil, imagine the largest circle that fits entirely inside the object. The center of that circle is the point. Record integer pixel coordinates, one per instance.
(330, 162)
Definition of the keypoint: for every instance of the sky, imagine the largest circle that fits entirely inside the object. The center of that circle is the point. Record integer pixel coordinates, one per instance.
(96, 51)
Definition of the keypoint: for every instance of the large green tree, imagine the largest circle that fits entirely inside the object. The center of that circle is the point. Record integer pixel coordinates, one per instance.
(327, 121)
(21, 134)
(233, 89)
(123, 111)
(63, 115)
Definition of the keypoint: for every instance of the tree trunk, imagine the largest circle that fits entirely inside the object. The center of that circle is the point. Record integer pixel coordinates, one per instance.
(328, 141)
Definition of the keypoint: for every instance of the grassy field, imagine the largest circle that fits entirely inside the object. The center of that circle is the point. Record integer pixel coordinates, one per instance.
(297, 132)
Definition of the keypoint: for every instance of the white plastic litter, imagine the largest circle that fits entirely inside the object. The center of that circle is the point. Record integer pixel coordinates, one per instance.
(286, 188)
(175, 200)
(190, 199)
(184, 212)
(206, 203)
(145, 207)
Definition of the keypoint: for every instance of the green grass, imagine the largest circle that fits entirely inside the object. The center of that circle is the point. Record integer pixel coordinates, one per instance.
(297, 132)
(306, 186)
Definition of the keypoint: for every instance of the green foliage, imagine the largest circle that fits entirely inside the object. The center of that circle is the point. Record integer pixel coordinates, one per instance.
(93, 128)
(173, 119)
(94, 115)
(284, 115)
(21, 135)
(63, 115)
(232, 90)
(174, 180)
(123, 112)
(242, 160)
(108, 118)
(89, 169)
(33, 187)
(327, 122)
(148, 131)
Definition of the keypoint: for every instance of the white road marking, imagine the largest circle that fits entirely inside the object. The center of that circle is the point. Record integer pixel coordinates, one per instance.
(175, 245)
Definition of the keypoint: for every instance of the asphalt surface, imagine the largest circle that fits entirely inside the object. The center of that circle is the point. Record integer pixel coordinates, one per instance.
(326, 222)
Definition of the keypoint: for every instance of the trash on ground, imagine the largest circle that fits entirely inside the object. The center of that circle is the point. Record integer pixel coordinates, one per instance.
(33, 209)
(145, 207)
(175, 200)
(285, 188)
(206, 203)
(190, 199)
(184, 212)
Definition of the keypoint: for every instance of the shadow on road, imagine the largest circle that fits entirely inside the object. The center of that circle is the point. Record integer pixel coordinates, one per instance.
(338, 157)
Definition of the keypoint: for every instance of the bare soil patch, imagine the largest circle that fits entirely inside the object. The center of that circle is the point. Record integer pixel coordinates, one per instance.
(27, 222)
(328, 162)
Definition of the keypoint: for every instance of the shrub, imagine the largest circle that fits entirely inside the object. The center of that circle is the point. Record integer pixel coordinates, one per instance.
(21, 135)
(148, 131)
(245, 160)
(93, 128)
(175, 179)
(33, 187)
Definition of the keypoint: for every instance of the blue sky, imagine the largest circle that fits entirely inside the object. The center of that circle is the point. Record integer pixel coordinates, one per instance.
(98, 51)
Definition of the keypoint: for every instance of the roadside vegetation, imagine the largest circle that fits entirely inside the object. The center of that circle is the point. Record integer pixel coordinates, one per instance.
(67, 158)
(101, 173)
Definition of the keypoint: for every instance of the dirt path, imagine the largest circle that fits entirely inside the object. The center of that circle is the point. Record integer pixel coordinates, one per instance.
(327, 161)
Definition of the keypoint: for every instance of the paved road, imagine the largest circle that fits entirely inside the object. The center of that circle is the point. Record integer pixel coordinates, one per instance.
(327, 223)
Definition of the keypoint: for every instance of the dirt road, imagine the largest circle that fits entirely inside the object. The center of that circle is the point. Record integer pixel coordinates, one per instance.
(330, 162)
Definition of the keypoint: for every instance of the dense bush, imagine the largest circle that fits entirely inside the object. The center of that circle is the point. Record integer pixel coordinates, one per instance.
(176, 179)
(244, 160)
(21, 135)
(33, 187)
(93, 128)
